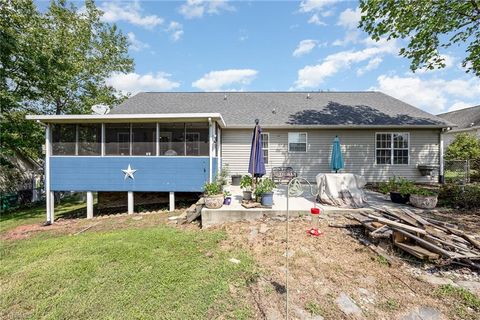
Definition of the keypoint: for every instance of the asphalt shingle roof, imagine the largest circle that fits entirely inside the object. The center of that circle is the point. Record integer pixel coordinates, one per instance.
(464, 118)
(282, 109)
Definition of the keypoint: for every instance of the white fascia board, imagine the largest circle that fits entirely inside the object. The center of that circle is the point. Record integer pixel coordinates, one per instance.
(85, 118)
(338, 127)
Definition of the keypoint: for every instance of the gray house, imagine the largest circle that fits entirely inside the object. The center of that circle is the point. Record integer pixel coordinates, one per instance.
(466, 120)
(175, 142)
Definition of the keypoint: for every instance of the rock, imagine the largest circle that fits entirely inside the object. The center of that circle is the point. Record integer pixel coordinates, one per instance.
(253, 233)
(137, 218)
(233, 260)
(366, 296)
(347, 305)
(279, 218)
(289, 253)
(472, 286)
(304, 314)
(173, 218)
(437, 281)
(263, 228)
(201, 201)
(423, 313)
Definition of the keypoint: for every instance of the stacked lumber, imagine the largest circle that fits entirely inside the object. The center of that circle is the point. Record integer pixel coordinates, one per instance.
(422, 237)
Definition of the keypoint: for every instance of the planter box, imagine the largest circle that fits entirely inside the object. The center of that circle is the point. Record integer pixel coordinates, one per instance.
(423, 202)
(267, 199)
(214, 202)
(397, 197)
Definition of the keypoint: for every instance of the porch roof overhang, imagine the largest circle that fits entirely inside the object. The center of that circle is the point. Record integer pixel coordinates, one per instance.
(155, 117)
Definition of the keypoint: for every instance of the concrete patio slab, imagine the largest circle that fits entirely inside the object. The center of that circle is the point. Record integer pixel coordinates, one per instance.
(298, 206)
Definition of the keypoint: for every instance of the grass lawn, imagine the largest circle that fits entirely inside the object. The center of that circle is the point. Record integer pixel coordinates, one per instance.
(130, 273)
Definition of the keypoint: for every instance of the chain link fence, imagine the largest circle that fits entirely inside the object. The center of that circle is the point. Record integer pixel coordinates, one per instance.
(462, 171)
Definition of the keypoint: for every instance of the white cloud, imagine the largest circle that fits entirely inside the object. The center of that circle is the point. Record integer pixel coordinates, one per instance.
(130, 12)
(447, 59)
(176, 30)
(304, 47)
(198, 8)
(318, 8)
(135, 44)
(218, 80)
(349, 18)
(371, 65)
(434, 95)
(313, 75)
(134, 82)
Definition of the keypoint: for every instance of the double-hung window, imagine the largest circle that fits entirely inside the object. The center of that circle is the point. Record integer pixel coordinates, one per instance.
(392, 148)
(265, 146)
(297, 142)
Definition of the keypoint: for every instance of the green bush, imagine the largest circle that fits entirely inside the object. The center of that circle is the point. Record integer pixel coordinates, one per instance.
(458, 196)
(265, 185)
(212, 188)
(423, 192)
(397, 184)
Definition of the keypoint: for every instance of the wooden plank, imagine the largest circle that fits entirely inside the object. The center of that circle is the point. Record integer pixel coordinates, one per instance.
(426, 244)
(417, 251)
(399, 215)
(398, 225)
(416, 217)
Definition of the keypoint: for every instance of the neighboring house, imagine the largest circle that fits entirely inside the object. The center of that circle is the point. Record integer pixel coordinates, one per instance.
(175, 142)
(466, 120)
(21, 179)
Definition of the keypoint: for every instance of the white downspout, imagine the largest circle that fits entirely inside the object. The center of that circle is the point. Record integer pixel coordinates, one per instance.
(48, 200)
(210, 155)
(441, 177)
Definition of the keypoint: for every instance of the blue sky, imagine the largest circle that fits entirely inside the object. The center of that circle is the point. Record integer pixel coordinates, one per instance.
(274, 46)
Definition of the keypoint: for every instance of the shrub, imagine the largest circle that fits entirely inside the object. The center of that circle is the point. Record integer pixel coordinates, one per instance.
(212, 188)
(397, 184)
(423, 192)
(464, 147)
(265, 185)
(458, 196)
(246, 182)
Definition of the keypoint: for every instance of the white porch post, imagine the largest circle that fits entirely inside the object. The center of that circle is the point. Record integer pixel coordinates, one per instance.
(210, 153)
(102, 143)
(89, 204)
(441, 170)
(157, 140)
(171, 198)
(48, 193)
(130, 202)
(219, 149)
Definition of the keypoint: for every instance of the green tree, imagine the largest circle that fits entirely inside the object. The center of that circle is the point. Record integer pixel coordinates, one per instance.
(54, 62)
(464, 147)
(428, 26)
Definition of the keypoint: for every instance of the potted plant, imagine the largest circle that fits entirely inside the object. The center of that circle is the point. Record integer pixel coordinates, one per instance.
(228, 198)
(399, 189)
(213, 195)
(264, 190)
(222, 177)
(236, 179)
(246, 184)
(423, 198)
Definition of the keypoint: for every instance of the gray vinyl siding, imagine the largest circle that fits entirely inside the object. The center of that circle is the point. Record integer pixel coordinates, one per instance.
(358, 151)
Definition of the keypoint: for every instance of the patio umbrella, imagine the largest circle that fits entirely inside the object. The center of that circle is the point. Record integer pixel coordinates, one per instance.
(336, 162)
(256, 166)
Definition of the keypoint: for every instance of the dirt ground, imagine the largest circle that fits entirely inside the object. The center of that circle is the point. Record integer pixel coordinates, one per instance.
(321, 269)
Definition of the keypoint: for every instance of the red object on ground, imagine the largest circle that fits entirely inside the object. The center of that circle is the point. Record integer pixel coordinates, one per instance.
(314, 232)
(315, 210)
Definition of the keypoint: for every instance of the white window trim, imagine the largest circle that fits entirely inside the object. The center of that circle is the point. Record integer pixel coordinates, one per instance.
(306, 142)
(392, 149)
(267, 148)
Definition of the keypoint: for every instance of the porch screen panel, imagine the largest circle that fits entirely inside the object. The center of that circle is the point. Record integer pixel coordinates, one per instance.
(196, 139)
(63, 139)
(143, 139)
(117, 139)
(89, 139)
(172, 139)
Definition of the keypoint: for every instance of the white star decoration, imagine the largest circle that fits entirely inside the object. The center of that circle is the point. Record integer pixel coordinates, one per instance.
(129, 172)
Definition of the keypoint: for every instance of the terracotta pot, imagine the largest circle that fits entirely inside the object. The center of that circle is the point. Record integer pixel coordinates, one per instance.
(423, 202)
(214, 202)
